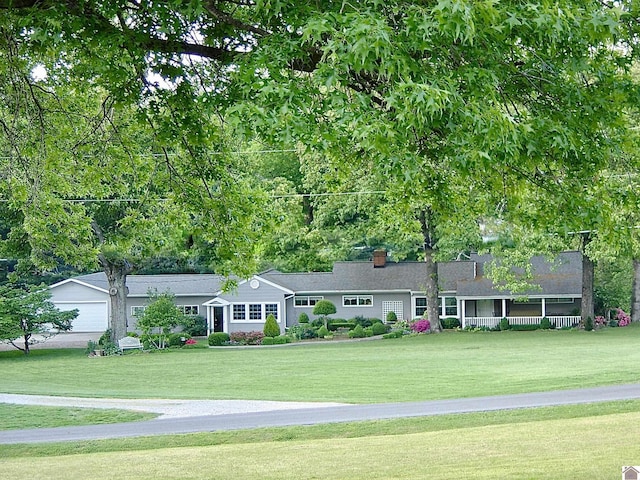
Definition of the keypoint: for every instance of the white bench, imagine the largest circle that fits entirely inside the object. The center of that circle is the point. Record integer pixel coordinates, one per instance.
(129, 343)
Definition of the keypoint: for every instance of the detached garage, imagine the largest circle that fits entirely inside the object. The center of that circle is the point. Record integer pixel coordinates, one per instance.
(91, 301)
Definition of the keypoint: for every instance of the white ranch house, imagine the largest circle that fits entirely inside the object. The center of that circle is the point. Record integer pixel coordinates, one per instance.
(370, 289)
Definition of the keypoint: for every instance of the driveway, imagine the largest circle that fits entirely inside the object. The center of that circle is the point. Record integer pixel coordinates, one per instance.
(288, 414)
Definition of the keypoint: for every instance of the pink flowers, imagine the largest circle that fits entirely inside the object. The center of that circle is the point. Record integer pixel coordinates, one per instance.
(623, 318)
(421, 326)
(190, 341)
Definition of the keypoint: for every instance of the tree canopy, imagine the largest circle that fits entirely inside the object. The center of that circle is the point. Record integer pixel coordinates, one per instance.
(455, 109)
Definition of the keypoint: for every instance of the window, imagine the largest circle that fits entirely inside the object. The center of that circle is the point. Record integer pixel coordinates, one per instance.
(137, 311)
(357, 301)
(421, 306)
(558, 300)
(271, 309)
(255, 311)
(450, 307)
(189, 309)
(238, 312)
(306, 301)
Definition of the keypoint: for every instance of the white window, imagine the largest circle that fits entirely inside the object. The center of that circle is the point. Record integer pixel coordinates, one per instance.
(189, 309)
(239, 312)
(559, 300)
(421, 306)
(306, 301)
(254, 312)
(357, 300)
(137, 311)
(450, 307)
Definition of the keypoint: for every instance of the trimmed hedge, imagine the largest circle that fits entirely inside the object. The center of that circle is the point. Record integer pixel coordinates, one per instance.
(525, 328)
(379, 328)
(450, 323)
(218, 339)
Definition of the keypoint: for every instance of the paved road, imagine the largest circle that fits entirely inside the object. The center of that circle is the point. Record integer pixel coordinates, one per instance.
(309, 416)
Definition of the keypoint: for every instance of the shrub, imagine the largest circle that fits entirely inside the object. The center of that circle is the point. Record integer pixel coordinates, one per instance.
(247, 338)
(357, 332)
(336, 324)
(379, 328)
(362, 321)
(177, 339)
(303, 318)
(323, 332)
(301, 332)
(588, 324)
(525, 328)
(421, 326)
(450, 323)
(218, 339)
(268, 341)
(368, 332)
(623, 318)
(271, 328)
(323, 308)
(281, 340)
(504, 324)
(194, 325)
(394, 334)
(545, 324)
(391, 317)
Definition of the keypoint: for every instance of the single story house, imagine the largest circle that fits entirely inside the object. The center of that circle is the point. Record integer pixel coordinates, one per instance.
(370, 289)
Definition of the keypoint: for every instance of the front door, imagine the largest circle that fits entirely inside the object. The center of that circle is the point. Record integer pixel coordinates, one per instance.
(218, 319)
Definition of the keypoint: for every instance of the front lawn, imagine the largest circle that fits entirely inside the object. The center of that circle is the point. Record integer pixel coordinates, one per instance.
(448, 365)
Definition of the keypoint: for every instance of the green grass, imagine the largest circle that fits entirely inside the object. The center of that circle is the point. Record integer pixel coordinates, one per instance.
(449, 365)
(25, 416)
(584, 441)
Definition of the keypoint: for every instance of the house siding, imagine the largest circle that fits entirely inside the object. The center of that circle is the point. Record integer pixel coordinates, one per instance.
(347, 313)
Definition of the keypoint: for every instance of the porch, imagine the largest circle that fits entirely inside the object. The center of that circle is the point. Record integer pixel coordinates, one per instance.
(557, 321)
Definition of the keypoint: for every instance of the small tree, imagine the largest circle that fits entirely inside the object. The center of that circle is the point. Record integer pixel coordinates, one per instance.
(324, 308)
(27, 311)
(160, 316)
(271, 328)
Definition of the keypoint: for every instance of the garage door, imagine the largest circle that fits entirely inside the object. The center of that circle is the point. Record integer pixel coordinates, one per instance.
(92, 317)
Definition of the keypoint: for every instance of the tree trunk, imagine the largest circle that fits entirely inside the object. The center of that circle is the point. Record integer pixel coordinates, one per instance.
(117, 276)
(431, 280)
(586, 305)
(635, 292)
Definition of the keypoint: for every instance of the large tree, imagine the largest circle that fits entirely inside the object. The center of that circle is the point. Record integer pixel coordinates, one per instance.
(505, 96)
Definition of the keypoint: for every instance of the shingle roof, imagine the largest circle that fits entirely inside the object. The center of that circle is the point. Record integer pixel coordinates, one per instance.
(177, 284)
(465, 277)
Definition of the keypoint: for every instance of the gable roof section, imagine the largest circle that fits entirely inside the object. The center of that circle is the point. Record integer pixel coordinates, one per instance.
(79, 281)
(177, 284)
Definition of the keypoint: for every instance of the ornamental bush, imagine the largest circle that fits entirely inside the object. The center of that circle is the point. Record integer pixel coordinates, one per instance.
(357, 332)
(623, 318)
(504, 324)
(545, 324)
(247, 338)
(218, 339)
(421, 326)
(323, 332)
(450, 323)
(391, 317)
(303, 318)
(379, 328)
(271, 328)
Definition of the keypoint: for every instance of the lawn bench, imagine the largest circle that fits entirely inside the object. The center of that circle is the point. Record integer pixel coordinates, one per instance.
(129, 343)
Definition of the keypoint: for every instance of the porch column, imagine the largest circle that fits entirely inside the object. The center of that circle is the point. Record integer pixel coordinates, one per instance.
(544, 307)
(504, 307)
(463, 312)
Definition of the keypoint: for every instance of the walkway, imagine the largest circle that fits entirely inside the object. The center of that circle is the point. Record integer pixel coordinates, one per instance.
(317, 415)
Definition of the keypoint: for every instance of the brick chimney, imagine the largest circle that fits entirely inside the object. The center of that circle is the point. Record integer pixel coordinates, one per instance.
(379, 258)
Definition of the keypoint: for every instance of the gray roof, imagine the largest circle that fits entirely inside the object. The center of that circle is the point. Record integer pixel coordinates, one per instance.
(466, 278)
(177, 284)
(562, 276)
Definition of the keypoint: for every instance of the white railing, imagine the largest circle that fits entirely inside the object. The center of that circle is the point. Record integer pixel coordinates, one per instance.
(490, 322)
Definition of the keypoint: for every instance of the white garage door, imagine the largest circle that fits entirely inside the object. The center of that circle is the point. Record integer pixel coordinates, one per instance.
(92, 317)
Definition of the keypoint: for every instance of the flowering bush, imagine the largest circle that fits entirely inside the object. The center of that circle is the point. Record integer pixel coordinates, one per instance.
(247, 338)
(421, 326)
(623, 318)
(190, 341)
(600, 321)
